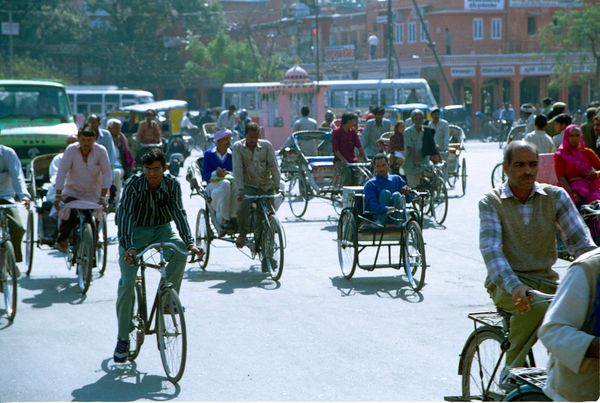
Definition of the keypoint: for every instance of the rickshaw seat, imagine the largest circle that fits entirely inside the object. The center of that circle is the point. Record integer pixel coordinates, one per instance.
(320, 161)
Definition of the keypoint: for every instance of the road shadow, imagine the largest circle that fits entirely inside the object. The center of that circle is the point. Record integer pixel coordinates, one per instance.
(429, 223)
(124, 383)
(4, 322)
(395, 287)
(55, 290)
(227, 282)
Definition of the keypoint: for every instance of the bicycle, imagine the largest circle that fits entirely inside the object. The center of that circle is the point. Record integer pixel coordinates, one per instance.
(166, 317)
(89, 245)
(8, 266)
(482, 356)
(436, 200)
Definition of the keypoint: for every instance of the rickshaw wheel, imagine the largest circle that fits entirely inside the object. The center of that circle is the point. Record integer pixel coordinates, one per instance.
(347, 243)
(203, 236)
(29, 242)
(413, 253)
(297, 195)
(463, 176)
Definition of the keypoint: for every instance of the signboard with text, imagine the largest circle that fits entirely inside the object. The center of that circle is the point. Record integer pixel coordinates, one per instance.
(10, 28)
(545, 3)
(339, 53)
(462, 71)
(497, 71)
(484, 4)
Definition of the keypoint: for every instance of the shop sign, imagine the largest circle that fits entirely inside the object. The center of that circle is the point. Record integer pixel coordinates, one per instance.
(536, 70)
(484, 4)
(410, 73)
(462, 71)
(497, 71)
(339, 53)
(545, 3)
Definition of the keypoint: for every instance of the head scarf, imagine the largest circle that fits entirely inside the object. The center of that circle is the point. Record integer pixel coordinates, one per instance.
(573, 155)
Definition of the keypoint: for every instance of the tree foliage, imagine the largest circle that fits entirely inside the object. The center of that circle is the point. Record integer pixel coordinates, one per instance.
(571, 32)
(27, 68)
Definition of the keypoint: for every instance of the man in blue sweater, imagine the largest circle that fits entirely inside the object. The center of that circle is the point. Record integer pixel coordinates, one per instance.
(383, 192)
(217, 172)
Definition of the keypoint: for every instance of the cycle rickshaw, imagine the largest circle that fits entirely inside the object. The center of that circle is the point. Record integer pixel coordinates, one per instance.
(456, 163)
(267, 239)
(498, 176)
(399, 245)
(308, 164)
(90, 245)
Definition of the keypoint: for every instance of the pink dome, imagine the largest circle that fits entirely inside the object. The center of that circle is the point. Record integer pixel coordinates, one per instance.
(296, 73)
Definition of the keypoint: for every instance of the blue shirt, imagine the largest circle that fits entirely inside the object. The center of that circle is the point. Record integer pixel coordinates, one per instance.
(12, 180)
(212, 161)
(374, 186)
(105, 139)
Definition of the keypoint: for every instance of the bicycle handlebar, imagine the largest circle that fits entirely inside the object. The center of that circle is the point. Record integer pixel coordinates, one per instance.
(168, 245)
(258, 197)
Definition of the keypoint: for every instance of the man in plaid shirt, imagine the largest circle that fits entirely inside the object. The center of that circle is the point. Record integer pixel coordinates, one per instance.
(517, 239)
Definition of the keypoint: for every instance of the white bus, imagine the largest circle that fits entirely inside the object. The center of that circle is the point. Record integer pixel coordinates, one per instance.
(101, 100)
(342, 95)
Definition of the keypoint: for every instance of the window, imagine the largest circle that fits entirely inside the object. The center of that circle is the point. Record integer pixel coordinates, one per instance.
(424, 27)
(478, 29)
(387, 96)
(412, 32)
(366, 98)
(342, 99)
(496, 28)
(531, 25)
(399, 33)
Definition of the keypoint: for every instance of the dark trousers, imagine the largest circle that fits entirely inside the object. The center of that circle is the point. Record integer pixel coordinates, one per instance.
(16, 230)
(66, 226)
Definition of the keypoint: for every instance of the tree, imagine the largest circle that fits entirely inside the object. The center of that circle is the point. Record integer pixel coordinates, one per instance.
(223, 59)
(27, 68)
(571, 32)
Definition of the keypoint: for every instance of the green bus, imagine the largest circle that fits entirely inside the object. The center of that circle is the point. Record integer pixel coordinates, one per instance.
(35, 118)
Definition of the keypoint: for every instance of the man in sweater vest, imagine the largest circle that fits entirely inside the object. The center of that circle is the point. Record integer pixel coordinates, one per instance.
(571, 331)
(518, 223)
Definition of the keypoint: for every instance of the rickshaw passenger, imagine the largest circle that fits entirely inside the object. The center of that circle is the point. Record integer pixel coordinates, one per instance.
(383, 191)
(396, 147)
(343, 141)
(305, 122)
(226, 118)
(217, 168)
(539, 137)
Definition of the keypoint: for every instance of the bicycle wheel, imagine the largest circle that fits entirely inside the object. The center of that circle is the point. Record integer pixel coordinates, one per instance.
(29, 242)
(102, 245)
(203, 237)
(171, 334)
(9, 279)
(498, 175)
(272, 247)
(85, 257)
(481, 365)
(347, 243)
(527, 393)
(414, 260)
(463, 176)
(298, 195)
(136, 337)
(439, 202)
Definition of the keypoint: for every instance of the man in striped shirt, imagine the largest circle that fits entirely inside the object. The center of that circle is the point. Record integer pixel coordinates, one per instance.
(517, 239)
(149, 203)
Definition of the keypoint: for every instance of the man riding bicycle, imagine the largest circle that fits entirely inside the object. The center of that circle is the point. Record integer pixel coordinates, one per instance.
(150, 201)
(84, 174)
(256, 172)
(12, 185)
(517, 240)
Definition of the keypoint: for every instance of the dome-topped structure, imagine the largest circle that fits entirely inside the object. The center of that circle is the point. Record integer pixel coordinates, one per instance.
(297, 74)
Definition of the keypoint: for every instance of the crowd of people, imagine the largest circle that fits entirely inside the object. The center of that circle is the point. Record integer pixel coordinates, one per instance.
(515, 260)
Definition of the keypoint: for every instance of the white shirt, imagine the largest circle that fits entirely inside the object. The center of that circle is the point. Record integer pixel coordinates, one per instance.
(225, 121)
(442, 134)
(558, 139)
(373, 40)
(542, 141)
(305, 123)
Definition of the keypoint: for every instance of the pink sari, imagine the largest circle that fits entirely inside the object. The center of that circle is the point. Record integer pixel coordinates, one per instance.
(588, 189)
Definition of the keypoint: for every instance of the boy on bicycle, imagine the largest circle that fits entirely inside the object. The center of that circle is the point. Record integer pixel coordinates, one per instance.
(150, 201)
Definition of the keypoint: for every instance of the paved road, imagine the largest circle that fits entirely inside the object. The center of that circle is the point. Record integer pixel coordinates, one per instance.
(312, 337)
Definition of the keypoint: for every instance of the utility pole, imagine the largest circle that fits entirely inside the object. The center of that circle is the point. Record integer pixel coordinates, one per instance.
(431, 45)
(10, 47)
(390, 72)
(317, 40)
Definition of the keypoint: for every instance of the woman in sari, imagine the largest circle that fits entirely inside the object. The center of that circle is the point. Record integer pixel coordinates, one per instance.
(577, 167)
